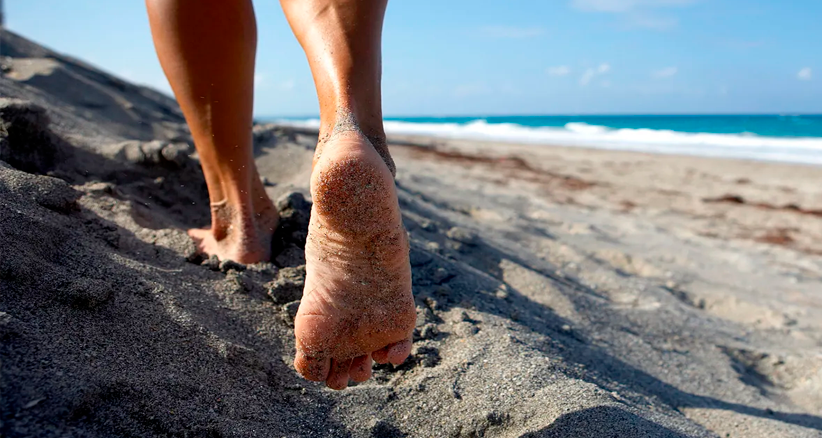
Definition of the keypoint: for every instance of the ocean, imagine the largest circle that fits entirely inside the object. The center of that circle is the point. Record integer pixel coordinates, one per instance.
(786, 138)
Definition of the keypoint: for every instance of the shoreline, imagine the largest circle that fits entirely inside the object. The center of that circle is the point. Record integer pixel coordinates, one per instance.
(683, 151)
(501, 147)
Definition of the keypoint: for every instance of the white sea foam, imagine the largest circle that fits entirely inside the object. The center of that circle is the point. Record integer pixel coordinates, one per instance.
(807, 150)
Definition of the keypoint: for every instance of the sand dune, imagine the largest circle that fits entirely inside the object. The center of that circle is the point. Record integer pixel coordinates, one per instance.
(560, 292)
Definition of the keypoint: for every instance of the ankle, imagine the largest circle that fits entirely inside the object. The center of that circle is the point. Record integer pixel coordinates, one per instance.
(246, 218)
(370, 128)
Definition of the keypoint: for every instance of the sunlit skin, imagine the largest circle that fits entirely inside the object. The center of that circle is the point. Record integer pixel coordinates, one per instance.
(357, 304)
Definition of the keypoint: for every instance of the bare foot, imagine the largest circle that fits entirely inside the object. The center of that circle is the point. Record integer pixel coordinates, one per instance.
(240, 233)
(357, 303)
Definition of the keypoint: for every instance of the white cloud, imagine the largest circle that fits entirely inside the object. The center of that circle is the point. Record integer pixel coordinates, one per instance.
(561, 70)
(635, 13)
(512, 31)
(587, 76)
(260, 80)
(591, 73)
(664, 73)
(619, 6)
(805, 74)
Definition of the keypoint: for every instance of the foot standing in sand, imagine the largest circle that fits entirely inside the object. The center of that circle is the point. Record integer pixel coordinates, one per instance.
(357, 304)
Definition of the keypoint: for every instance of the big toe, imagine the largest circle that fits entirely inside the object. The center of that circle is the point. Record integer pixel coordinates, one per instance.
(198, 233)
(312, 368)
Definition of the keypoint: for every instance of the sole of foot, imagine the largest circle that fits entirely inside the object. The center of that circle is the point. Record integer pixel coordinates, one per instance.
(357, 304)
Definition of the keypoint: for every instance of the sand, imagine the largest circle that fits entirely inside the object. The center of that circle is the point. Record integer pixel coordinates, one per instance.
(560, 291)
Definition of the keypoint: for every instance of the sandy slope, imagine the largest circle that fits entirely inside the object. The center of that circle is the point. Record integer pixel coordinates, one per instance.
(560, 292)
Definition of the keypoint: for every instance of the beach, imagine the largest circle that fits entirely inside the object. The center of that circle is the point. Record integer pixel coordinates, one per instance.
(560, 291)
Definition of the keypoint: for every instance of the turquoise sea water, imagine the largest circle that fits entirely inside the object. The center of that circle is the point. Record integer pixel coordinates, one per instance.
(791, 138)
(763, 125)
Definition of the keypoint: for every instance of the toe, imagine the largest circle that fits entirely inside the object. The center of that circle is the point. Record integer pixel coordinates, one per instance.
(398, 352)
(360, 370)
(338, 377)
(395, 353)
(381, 356)
(198, 233)
(203, 240)
(312, 368)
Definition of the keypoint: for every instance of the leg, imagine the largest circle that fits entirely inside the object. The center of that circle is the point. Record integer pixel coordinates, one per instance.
(207, 50)
(357, 303)
(343, 42)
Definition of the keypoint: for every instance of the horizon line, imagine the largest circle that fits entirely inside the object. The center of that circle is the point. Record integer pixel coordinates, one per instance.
(482, 116)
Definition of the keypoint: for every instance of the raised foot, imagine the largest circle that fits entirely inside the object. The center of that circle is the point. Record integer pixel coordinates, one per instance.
(357, 304)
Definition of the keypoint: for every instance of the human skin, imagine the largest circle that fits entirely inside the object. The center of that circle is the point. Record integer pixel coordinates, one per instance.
(207, 50)
(357, 304)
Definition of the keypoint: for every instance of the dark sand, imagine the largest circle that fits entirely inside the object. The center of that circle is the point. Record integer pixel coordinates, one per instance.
(560, 292)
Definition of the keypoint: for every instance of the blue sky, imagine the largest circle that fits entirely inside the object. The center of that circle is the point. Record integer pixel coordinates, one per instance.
(460, 57)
